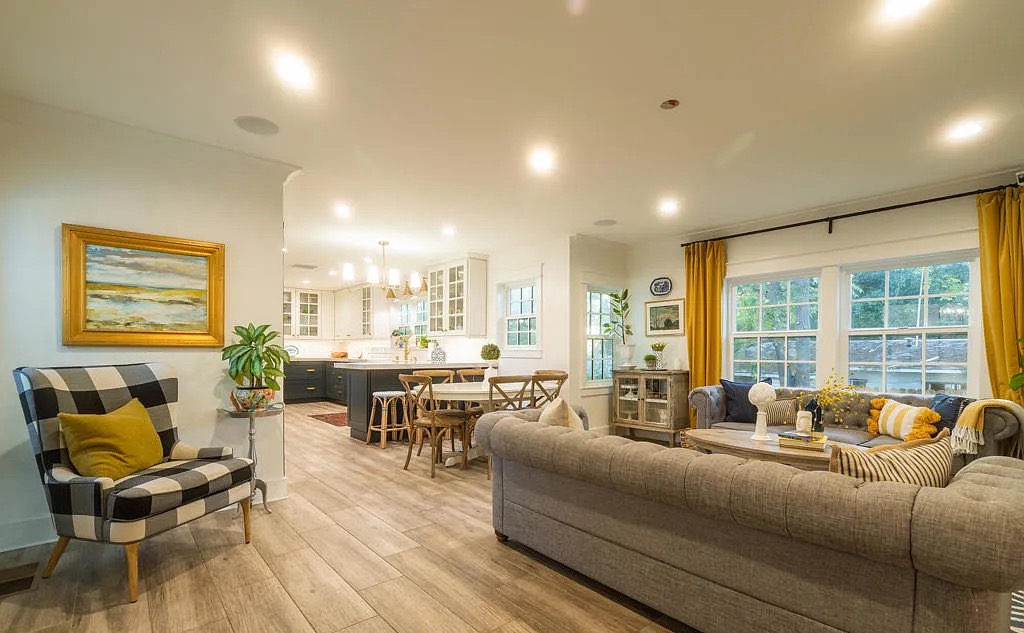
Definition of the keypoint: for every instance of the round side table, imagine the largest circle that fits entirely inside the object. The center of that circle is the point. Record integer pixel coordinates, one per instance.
(256, 483)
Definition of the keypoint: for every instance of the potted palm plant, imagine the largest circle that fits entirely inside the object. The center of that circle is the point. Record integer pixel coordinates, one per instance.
(620, 327)
(255, 364)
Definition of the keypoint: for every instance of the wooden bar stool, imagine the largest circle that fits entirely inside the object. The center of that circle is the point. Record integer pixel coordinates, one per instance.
(388, 402)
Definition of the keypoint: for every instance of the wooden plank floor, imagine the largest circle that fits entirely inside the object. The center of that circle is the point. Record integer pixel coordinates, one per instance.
(359, 546)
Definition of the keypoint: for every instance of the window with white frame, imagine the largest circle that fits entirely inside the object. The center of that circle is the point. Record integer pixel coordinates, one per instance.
(599, 345)
(366, 311)
(522, 312)
(773, 331)
(908, 328)
(412, 318)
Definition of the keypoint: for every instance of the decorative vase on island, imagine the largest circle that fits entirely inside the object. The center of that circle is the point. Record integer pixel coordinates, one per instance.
(438, 356)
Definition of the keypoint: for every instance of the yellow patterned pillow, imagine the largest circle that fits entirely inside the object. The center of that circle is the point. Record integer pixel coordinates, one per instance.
(901, 421)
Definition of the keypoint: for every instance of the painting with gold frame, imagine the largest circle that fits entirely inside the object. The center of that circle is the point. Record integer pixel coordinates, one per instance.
(122, 288)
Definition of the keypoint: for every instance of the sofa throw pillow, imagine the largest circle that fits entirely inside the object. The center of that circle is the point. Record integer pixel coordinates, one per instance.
(559, 413)
(114, 444)
(949, 409)
(927, 462)
(782, 412)
(737, 401)
(901, 421)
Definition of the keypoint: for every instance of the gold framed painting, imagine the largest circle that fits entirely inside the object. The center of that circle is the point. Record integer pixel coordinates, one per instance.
(663, 318)
(122, 288)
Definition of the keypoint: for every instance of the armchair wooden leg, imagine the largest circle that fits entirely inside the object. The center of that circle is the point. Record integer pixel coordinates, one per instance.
(246, 506)
(58, 551)
(131, 554)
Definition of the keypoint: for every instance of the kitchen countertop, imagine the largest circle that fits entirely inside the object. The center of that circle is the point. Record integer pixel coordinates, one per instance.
(355, 363)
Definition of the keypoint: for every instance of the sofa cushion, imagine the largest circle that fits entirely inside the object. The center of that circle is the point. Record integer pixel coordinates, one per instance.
(949, 409)
(173, 484)
(559, 413)
(903, 421)
(737, 402)
(848, 436)
(926, 462)
(881, 440)
(749, 426)
(783, 412)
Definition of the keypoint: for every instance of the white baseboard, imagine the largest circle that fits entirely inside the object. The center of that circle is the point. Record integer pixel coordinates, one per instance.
(21, 534)
(277, 488)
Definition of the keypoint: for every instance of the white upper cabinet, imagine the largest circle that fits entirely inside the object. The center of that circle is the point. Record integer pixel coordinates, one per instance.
(308, 313)
(457, 298)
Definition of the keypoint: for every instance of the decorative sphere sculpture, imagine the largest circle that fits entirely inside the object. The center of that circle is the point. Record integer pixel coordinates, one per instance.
(761, 395)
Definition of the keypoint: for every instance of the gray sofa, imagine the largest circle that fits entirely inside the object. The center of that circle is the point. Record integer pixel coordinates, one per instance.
(726, 544)
(1001, 426)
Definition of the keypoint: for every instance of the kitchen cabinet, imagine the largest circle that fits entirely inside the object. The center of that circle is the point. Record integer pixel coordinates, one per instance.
(303, 380)
(457, 298)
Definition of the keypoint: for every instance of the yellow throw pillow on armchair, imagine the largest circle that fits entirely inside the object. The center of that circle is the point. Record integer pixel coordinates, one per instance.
(114, 444)
(901, 421)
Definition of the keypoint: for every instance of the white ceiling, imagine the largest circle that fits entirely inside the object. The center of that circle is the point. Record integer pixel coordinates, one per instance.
(423, 110)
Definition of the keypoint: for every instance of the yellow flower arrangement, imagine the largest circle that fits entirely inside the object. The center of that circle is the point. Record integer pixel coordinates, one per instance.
(835, 395)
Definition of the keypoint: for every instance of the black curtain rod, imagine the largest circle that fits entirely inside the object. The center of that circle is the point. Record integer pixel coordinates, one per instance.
(832, 218)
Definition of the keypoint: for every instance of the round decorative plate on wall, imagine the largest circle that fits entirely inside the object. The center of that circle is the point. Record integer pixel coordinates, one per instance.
(661, 286)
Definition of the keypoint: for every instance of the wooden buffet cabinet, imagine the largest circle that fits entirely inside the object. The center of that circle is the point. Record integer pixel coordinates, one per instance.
(650, 400)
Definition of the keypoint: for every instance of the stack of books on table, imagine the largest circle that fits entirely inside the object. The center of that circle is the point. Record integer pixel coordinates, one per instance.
(792, 439)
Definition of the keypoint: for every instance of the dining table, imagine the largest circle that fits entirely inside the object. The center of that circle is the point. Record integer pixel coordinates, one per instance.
(474, 393)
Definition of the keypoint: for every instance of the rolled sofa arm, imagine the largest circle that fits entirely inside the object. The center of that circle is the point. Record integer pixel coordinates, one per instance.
(709, 402)
(969, 533)
(181, 450)
(1001, 425)
(77, 502)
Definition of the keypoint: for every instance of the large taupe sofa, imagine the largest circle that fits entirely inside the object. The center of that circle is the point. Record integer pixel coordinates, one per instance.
(1001, 426)
(725, 544)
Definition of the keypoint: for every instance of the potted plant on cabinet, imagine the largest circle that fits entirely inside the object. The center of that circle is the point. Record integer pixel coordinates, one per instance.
(659, 353)
(255, 364)
(620, 328)
(651, 361)
(490, 353)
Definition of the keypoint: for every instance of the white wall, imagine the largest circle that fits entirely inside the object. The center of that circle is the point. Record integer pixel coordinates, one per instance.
(598, 262)
(60, 167)
(647, 262)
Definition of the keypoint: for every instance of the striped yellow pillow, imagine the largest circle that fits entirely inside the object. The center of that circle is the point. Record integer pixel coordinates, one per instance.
(901, 421)
(921, 462)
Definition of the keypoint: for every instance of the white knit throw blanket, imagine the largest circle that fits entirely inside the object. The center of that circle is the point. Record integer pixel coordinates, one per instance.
(968, 434)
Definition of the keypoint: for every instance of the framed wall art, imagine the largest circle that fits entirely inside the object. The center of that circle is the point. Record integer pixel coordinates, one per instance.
(664, 317)
(122, 288)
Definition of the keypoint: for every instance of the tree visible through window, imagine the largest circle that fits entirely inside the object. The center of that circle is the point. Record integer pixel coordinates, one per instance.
(773, 331)
(908, 328)
(599, 345)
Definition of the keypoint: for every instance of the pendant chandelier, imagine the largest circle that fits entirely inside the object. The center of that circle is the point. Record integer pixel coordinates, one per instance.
(390, 284)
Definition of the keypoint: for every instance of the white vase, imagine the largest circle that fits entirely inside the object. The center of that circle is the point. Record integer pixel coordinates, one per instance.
(624, 354)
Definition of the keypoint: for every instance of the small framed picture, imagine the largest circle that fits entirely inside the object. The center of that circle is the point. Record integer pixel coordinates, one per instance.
(664, 317)
(661, 286)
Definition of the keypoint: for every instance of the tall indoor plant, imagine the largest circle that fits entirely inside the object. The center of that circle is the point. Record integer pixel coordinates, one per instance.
(255, 364)
(620, 327)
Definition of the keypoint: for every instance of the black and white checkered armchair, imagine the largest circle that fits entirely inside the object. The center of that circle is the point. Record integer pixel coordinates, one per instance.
(188, 484)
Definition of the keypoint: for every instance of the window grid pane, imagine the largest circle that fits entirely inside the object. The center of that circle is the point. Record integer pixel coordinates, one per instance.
(600, 360)
(520, 316)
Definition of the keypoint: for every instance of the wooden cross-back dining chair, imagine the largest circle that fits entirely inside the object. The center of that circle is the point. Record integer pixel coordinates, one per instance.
(425, 418)
(465, 375)
(509, 393)
(439, 377)
(546, 385)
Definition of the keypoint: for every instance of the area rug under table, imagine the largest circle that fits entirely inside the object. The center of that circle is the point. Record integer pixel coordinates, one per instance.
(334, 419)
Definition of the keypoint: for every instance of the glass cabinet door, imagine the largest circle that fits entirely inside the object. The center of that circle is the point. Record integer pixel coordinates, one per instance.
(435, 300)
(627, 398)
(456, 298)
(656, 401)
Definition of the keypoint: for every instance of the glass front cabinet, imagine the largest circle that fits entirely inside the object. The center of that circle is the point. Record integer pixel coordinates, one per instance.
(457, 298)
(651, 401)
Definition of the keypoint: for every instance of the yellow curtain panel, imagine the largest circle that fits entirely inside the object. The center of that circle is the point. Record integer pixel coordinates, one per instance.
(1001, 238)
(705, 275)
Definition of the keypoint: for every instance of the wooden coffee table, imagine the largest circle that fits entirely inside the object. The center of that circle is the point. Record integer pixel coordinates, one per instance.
(738, 443)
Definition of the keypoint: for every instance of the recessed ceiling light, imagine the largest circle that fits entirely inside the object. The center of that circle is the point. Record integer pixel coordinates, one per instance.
(305, 281)
(966, 129)
(256, 125)
(342, 210)
(668, 206)
(895, 11)
(284, 250)
(293, 70)
(448, 230)
(669, 104)
(367, 260)
(332, 272)
(542, 160)
(606, 222)
(348, 271)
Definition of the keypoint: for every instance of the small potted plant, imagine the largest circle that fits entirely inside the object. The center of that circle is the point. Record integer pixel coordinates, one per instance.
(255, 365)
(659, 349)
(490, 353)
(620, 327)
(651, 361)
(423, 341)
